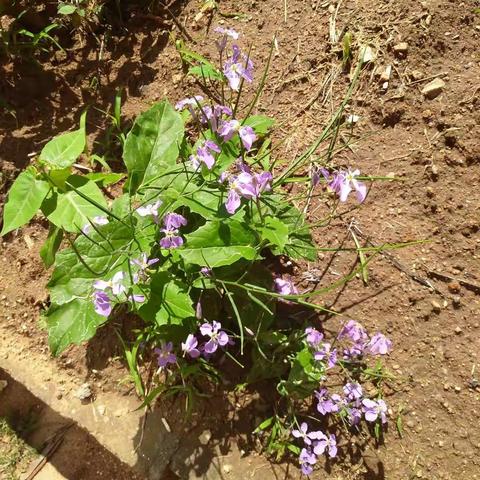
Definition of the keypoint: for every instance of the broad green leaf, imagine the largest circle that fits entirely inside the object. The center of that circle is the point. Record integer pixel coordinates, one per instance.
(65, 9)
(59, 177)
(207, 203)
(74, 322)
(24, 199)
(219, 243)
(169, 304)
(260, 123)
(71, 210)
(151, 146)
(275, 231)
(104, 253)
(50, 247)
(104, 179)
(63, 150)
(107, 250)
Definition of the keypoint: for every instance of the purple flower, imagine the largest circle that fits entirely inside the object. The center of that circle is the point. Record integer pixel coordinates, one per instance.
(172, 222)
(379, 344)
(226, 32)
(198, 311)
(189, 102)
(353, 391)
(206, 272)
(165, 355)
(342, 183)
(307, 437)
(137, 298)
(115, 284)
(151, 209)
(204, 155)
(374, 409)
(247, 135)
(325, 353)
(307, 459)
(190, 346)
(217, 337)
(143, 263)
(247, 186)
(236, 69)
(98, 220)
(325, 403)
(356, 350)
(314, 337)
(326, 443)
(354, 416)
(170, 240)
(315, 178)
(285, 286)
(213, 116)
(101, 302)
(354, 331)
(349, 183)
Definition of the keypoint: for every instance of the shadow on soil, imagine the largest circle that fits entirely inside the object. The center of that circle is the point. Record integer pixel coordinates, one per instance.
(74, 453)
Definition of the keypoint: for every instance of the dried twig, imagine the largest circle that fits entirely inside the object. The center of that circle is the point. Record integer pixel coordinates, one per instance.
(469, 285)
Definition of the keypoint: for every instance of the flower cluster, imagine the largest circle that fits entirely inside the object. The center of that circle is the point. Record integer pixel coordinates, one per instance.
(316, 443)
(246, 185)
(360, 343)
(350, 404)
(213, 339)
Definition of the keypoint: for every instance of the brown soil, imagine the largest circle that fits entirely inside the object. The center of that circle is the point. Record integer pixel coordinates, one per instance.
(431, 145)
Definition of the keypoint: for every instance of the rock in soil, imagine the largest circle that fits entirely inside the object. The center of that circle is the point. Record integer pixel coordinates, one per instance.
(433, 88)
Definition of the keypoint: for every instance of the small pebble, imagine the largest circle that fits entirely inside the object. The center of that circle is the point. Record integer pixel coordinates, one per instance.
(84, 392)
(458, 330)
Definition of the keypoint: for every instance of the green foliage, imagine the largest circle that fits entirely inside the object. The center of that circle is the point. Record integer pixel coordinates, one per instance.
(24, 199)
(73, 322)
(71, 209)
(151, 146)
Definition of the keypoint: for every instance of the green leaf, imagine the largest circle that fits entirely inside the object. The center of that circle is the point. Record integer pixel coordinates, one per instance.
(151, 147)
(300, 242)
(24, 199)
(65, 9)
(107, 250)
(104, 179)
(205, 71)
(260, 123)
(51, 245)
(304, 375)
(70, 210)
(219, 243)
(59, 177)
(74, 322)
(207, 203)
(63, 150)
(275, 231)
(169, 303)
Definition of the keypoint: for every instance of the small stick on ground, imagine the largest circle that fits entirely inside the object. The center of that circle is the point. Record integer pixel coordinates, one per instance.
(469, 285)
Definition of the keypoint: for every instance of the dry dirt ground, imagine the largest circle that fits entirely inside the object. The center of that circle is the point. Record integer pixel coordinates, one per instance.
(430, 144)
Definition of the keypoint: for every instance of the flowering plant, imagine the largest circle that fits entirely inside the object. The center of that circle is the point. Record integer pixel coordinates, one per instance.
(184, 248)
